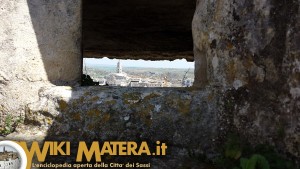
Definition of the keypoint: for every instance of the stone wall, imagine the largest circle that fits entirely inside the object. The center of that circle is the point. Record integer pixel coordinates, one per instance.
(252, 51)
(40, 45)
(185, 119)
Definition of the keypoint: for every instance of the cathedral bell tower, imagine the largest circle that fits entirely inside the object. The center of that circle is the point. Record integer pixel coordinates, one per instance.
(119, 67)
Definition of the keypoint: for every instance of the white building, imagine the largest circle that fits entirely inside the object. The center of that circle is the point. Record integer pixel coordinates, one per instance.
(135, 82)
(122, 79)
(138, 82)
(102, 81)
(118, 79)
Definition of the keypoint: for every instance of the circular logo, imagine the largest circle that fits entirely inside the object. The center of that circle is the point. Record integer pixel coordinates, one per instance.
(12, 155)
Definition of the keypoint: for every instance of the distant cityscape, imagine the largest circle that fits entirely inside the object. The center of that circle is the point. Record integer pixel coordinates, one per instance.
(139, 77)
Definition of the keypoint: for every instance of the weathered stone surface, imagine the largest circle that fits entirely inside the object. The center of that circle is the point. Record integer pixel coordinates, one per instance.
(185, 119)
(57, 28)
(252, 52)
(126, 113)
(138, 29)
(39, 45)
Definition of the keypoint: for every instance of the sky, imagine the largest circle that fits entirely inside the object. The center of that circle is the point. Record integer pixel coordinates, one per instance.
(140, 63)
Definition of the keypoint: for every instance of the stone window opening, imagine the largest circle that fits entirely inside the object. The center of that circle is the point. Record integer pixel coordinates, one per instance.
(137, 29)
(137, 73)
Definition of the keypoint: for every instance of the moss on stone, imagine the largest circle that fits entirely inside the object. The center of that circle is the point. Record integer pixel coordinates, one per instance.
(106, 117)
(171, 100)
(184, 106)
(94, 99)
(91, 127)
(129, 98)
(132, 96)
(78, 102)
(152, 95)
(145, 114)
(63, 105)
(93, 112)
(76, 116)
(110, 102)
